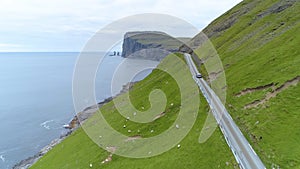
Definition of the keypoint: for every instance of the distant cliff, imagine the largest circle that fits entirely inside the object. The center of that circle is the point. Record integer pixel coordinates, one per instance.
(151, 45)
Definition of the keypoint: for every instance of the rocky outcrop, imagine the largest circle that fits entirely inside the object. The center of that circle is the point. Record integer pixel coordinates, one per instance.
(150, 45)
(231, 17)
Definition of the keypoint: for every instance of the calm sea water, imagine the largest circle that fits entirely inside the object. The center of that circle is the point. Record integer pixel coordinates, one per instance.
(36, 98)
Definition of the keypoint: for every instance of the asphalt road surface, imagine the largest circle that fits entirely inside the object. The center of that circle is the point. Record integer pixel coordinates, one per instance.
(242, 150)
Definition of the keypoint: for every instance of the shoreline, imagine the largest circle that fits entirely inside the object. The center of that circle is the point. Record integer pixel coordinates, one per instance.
(73, 125)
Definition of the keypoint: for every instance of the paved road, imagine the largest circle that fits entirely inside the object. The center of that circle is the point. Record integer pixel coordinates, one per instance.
(242, 150)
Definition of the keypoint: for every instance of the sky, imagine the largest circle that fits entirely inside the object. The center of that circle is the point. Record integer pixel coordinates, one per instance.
(58, 26)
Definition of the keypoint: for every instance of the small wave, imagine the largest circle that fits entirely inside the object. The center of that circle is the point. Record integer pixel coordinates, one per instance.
(45, 124)
(2, 158)
(51, 125)
(8, 150)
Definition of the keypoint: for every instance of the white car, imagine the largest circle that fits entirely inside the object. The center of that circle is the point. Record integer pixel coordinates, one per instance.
(198, 76)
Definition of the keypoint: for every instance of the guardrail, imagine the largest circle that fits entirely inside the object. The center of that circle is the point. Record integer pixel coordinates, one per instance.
(241, 149)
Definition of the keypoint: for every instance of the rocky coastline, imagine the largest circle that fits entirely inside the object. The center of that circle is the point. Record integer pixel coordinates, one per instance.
(134, 46)
(73, 125)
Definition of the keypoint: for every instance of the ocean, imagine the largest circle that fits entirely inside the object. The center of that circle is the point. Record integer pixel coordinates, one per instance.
(36, 97)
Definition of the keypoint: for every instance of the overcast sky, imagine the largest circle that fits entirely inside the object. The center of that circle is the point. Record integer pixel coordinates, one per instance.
(66, 25)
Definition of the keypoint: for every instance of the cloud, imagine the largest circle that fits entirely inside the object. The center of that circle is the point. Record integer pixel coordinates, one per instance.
(72, 20)
(5, 47)
(9, 45)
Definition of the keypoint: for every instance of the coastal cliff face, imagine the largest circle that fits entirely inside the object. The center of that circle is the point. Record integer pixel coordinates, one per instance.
(150, 45)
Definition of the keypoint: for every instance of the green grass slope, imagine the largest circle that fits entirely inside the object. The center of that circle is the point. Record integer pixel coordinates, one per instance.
(79, 151)
(258, 43)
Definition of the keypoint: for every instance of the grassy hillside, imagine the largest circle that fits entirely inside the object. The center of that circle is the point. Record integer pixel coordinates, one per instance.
(258, 43)
(79, 151)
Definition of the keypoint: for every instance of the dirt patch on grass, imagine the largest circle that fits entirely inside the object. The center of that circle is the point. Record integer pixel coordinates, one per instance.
(254, 89)
(133, 138)
(287, 84)
(214, 75)
(159, 116)
(108, 159)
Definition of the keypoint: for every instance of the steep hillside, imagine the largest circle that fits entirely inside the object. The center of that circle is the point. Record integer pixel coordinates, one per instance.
(150, 45)
(79, 151)
(258, 43)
